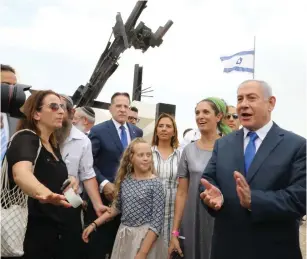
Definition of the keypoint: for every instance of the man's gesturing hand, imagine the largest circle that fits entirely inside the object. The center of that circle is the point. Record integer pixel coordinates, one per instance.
(243, 190)
(212, 196)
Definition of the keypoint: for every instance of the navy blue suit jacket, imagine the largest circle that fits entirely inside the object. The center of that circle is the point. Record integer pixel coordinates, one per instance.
(138, 131)
(107, 148)
(277, 178)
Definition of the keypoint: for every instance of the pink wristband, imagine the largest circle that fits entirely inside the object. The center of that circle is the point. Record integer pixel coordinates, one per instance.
(175, 233)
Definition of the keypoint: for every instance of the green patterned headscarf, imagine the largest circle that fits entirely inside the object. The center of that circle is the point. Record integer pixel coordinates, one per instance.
(222, 107)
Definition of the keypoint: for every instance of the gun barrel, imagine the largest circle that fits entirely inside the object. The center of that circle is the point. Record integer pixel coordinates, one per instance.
(135, 14)
(166, 28)
(120, 30)
(125, 36)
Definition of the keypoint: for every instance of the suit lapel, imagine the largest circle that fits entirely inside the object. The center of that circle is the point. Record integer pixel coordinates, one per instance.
(239, 152)
(269, 143)
(114, 134)
(131, 131)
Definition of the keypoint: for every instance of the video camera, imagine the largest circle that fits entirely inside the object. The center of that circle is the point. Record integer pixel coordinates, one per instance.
(12, 99)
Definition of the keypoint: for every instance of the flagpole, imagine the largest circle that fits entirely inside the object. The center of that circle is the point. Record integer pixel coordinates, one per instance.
(254, 56)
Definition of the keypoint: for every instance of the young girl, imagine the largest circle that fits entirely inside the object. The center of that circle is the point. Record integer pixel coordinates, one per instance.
(139, 197)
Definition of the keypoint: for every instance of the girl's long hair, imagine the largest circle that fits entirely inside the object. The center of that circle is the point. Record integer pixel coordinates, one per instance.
(126, 167)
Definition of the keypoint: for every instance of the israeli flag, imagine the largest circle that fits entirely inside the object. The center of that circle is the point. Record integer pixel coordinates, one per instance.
(242, 61)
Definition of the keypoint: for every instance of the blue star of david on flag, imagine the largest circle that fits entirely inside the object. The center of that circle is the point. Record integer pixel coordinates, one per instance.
(241, 62)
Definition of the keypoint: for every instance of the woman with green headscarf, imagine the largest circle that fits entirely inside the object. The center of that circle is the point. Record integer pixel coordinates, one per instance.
(191, 220)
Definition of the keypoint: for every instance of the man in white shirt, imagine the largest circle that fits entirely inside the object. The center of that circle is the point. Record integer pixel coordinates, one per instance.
(84, 119)
(76, 151)
(189, 137)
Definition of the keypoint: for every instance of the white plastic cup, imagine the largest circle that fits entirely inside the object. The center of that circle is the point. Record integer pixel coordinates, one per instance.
(73, 198)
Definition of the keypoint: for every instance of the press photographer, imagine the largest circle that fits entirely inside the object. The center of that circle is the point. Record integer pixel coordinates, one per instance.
(12, 98)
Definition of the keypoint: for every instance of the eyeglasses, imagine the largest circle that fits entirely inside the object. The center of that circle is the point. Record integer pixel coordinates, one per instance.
(55, 106)
(133, 118)
(233, 115)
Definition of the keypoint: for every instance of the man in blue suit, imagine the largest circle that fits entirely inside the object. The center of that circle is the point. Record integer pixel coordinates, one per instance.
(109, 140)
(255, 183)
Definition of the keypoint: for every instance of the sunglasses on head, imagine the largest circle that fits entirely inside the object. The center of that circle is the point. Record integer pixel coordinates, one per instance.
(133, 118)
(55, 106)
(233, 115)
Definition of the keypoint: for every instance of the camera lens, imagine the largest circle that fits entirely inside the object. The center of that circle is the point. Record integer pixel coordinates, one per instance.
(12, 99)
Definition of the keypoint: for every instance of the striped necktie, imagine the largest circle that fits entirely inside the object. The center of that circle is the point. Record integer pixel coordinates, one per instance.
(3, 143)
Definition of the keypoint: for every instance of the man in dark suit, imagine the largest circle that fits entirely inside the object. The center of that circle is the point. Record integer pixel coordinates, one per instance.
(255, 183)
(109, 140)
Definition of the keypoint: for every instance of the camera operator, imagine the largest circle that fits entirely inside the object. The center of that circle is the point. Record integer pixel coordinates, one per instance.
(8, 123)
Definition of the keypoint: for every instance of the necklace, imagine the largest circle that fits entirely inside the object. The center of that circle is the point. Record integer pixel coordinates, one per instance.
(145, 177)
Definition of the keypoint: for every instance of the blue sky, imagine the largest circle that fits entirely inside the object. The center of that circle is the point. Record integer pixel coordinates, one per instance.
(56, 44)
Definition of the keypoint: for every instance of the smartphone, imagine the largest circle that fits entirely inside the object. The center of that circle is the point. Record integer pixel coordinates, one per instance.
(65, 184)
(175, 254)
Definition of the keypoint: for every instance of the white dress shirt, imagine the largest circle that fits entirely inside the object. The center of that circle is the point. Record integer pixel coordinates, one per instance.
(77, 154)
(189, 137)
(5, 135)
(262, 132)
(6, 125)
(119, 131)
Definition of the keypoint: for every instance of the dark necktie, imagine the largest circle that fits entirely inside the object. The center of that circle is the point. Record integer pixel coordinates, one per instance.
(250, 150)
(123, 136)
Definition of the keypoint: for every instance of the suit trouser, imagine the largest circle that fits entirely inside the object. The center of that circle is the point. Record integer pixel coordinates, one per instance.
(101, 241)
